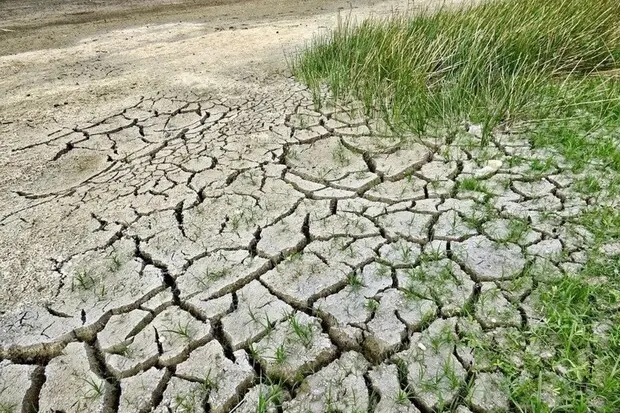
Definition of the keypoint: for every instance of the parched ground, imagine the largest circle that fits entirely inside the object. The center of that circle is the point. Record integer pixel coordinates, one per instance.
(182, 229)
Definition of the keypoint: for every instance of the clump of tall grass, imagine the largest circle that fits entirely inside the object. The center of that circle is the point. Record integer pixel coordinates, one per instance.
(490, 63)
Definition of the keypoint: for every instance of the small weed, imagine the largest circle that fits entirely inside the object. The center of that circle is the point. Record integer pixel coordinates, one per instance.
(269, 399)
(122, 349)
(372, 305)
(295, 256)
(115, 263)
(340, 155)
(280, 354)
(402, 398)
(303, 332)
(540, 166)
(265, 322)
(354, 280)
(183, 330)
(95, 388)
(383, 270)
(217, 274)
(83, 280)
(406, 253)
(253, 352)
(517, 228)
(209, 383)
(187, 403)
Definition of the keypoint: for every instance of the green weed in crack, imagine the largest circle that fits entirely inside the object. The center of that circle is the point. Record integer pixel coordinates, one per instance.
(265, 322)
(406, 253)
(188, 402)
(371, 305)
(441, 340)
(432, 253)
(517, 228)
(95, 388)
(383, 270)
(354, 281)
(401, 398)
(253, 352)
(122, 349)
(449, 372)
(214, 275)
(269, 399)
(303, 332)
(209, 383)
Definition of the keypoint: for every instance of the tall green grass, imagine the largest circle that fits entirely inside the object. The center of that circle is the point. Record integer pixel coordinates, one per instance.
(493, 63)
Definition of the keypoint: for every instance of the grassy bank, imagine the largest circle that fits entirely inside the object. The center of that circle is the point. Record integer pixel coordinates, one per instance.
(545, 69)
(499, 63)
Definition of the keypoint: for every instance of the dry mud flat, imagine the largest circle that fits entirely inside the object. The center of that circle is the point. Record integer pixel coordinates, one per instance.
(244, 248)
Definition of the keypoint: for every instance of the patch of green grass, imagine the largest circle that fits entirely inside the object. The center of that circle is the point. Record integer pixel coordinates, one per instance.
(498, 62)
(582, 330)
(588, 185)
(603, 222)
(580, 338)
(582, 143)
(473, 184)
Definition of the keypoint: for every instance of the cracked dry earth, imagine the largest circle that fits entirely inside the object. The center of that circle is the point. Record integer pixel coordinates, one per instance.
(227, 243)
(318, 254)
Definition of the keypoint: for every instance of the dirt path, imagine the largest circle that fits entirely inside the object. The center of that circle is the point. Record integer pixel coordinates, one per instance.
(182, 230)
